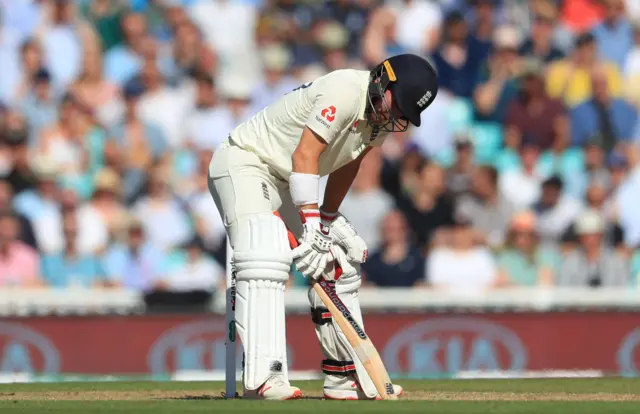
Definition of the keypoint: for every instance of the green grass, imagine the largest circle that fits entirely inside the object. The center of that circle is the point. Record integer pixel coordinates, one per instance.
(203, 397)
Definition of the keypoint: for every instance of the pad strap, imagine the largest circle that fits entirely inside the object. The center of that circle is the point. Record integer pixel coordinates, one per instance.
(320, 316)
(341, 368)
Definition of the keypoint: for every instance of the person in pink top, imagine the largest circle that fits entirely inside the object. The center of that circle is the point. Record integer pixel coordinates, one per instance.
(19, 263)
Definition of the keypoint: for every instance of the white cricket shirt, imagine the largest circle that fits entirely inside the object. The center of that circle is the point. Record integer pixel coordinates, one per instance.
(333, 106)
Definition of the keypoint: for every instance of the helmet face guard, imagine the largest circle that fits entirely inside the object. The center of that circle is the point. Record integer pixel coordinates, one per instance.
(379, 82)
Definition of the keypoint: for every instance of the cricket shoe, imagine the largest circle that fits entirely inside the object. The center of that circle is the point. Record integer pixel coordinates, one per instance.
(348, 388)
(274, 388)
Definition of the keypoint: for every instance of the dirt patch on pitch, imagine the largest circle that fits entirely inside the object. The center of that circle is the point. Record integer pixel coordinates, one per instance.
(513, 396)
(200, 395)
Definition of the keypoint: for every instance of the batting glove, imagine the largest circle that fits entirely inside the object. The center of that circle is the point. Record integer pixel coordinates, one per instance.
(314, 252)
(345, 236)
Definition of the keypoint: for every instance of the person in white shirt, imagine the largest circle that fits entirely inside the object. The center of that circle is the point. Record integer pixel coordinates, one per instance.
(273, 162)
(197, 272)
(523, 186)
(462, 267)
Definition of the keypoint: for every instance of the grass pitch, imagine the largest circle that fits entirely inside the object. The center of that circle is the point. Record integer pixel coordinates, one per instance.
(535, 396)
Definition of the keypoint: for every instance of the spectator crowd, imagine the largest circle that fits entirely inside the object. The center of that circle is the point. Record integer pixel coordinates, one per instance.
(525, 172)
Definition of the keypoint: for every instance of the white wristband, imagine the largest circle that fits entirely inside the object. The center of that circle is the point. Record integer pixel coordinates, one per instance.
(304, 188)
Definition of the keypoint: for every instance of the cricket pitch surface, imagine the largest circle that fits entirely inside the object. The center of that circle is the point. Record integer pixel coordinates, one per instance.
(548, 396)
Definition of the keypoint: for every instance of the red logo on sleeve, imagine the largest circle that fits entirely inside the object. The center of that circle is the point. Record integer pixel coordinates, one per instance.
(329, 113)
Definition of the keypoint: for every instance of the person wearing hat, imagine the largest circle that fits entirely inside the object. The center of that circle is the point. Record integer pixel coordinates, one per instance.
(570, 79)
(274, 161)
(276, 60)
(498, 79)
(524, 261)
(593, 264)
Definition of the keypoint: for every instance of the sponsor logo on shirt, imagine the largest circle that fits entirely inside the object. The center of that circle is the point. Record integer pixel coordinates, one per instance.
(329, 113)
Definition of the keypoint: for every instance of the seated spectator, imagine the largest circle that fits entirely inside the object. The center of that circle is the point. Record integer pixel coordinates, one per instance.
(134, 263)
(134, 145)
(570, 79)
(612, 118)
(596, 201)
(122, 62)
(208, 224)
(69, 267)
(192, 270)
(43, 199)
(460, 174)
(417, 24)
(555, 211)
(461, 266)
(203, 128)
(25, 228)
(366, 191)
(62, 35)
(625, 173)
(534, 113)
(498, 80)
(438, 118)
(75, 145)
(104, 16)
(429, 207)
(614, 35)
(92, 233)
(276, 59)
(105, 205)
(631, 69)
(524, 261)
(484, 16)
(540, 44)
(92, 90)
(400, 176)
(162, 105)
(40, 105)
(19, 263)
(488, 211)
(17, 84)
(19, 172)
(592, 264)
(522, 186)
(165, 222)
(457, 59)
(398, 262)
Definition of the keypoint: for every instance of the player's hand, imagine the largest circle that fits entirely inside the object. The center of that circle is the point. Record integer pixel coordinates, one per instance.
(314, 252)
(345, 236)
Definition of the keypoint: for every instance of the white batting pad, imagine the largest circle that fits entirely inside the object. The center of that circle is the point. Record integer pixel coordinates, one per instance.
(263, 258)
(334, 343)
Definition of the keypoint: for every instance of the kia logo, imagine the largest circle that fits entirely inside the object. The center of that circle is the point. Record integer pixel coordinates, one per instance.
(193, 346)
(449, 345)
(23, 350)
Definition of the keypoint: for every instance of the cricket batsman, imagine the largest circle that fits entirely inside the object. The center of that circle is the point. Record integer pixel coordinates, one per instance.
(273, 162)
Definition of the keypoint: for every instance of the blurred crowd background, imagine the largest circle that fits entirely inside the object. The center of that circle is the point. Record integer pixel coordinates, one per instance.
(526, 170)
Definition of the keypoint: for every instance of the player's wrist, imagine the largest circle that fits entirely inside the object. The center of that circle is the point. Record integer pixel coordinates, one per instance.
(304, 189)
(328, 217)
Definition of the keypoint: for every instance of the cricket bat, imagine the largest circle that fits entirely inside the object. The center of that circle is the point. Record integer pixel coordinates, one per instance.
(359, 340)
